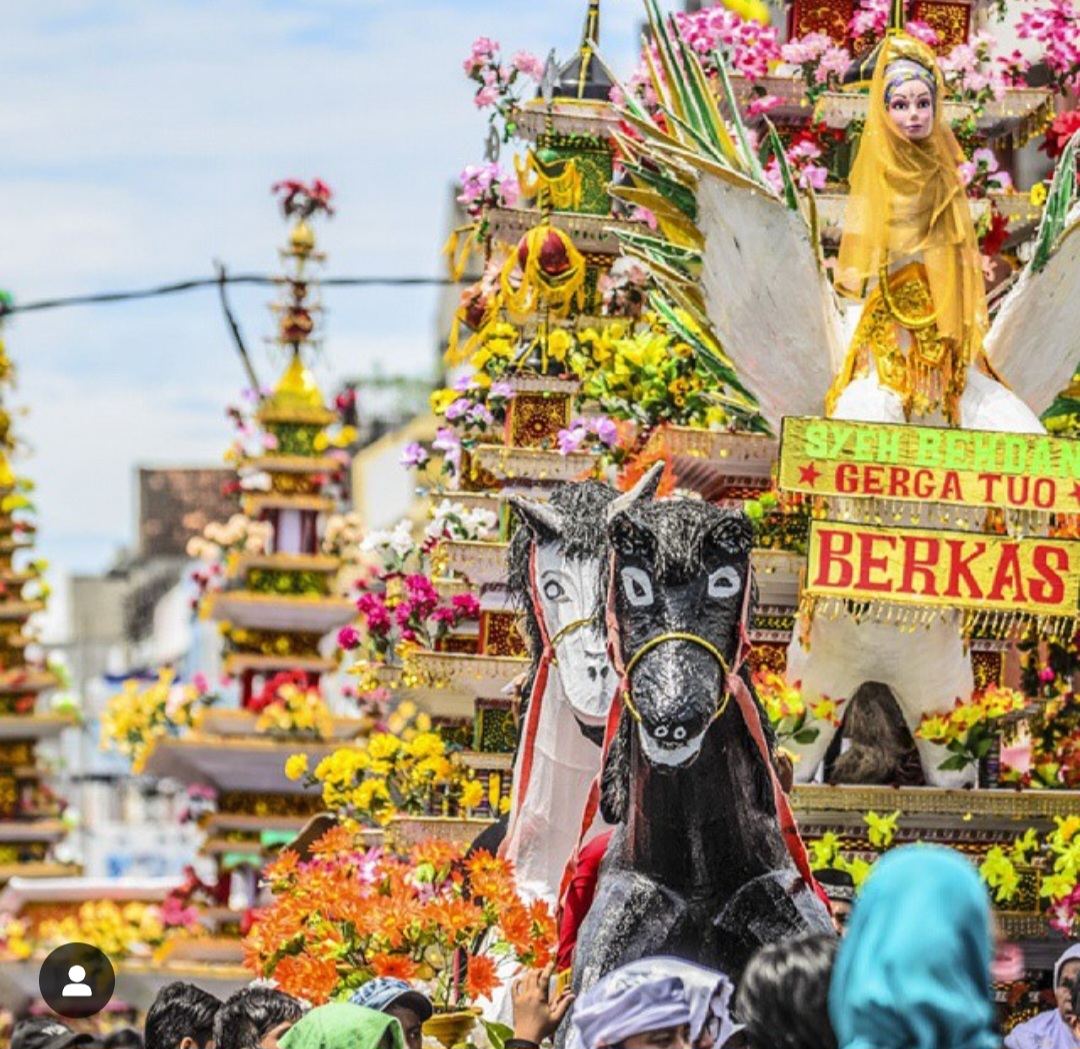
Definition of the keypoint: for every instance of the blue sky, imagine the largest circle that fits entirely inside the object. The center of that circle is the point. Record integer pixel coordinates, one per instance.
(138, 142)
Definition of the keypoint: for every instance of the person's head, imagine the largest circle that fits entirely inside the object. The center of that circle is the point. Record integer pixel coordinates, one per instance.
(341, 1024)
(638, 1006)
(839, 886)
(124, 1038)
(913, 970)
(255, 1016)
(783, 996)
(1066, 971)
(398, 999)
(910, 97)
(181, 1017)
(43, 1033)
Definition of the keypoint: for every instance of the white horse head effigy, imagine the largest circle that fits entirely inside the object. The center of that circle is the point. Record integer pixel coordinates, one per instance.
(556, 558)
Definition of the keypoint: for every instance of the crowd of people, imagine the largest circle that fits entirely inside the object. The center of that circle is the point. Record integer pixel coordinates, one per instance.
(912, 970)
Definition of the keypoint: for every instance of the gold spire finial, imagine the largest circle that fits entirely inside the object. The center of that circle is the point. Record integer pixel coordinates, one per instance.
(897, 16)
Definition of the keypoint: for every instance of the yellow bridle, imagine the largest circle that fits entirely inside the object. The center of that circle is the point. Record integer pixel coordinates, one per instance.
(675, 635)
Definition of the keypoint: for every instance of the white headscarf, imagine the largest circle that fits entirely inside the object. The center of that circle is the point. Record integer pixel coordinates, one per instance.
(1072, 954)
(649, 995)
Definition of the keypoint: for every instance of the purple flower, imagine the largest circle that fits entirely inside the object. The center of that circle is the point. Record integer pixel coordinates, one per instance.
(414, 454)
(479, 414)
(605, 430)
(457, 409)
(502, 390)
(463, 383)
(571, 440)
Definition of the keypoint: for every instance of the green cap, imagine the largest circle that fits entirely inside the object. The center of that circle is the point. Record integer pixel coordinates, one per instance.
(340, 1024)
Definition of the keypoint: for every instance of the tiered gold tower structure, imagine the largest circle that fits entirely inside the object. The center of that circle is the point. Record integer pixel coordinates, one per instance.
(274, 613)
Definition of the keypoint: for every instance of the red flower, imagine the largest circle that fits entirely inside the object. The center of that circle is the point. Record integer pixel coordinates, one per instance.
(1063, 128)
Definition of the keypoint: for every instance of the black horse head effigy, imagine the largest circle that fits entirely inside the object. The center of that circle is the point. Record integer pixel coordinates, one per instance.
(556, 559)
(706, 863)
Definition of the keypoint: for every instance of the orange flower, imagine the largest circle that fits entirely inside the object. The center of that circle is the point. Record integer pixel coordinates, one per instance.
(516, 927)
(480, 977)
(283, 867)
(303, 976)
(336, 841)
(440, 854)
(393, 965)
(491, 879)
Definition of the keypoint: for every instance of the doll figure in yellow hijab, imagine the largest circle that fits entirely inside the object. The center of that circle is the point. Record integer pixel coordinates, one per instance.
(909, 249)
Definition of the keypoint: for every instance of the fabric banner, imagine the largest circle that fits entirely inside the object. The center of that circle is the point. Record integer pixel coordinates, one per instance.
(923, 464)
(981, 574)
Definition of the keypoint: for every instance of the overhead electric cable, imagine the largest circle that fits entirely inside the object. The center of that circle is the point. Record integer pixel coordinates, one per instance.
(7, 308)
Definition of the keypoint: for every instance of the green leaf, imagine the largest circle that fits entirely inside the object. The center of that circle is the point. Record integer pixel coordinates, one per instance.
(498, 1034)
(955, 763)
(807, 736)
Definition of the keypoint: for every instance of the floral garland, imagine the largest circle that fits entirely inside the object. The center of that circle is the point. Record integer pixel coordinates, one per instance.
(349, 915)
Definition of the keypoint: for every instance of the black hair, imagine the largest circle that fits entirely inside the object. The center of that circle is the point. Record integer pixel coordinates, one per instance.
(784, 995)
(181, 1010)
(123, 1038)
(252, 1013)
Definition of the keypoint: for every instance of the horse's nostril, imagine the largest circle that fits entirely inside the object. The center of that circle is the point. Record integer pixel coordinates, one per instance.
(679, 733)
(661, 732)
(604, 671)
(592, 673)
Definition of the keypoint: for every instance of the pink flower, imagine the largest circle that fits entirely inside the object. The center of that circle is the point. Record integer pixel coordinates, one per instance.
(643, 215)
(528, 65)
(1046, 675)
(348, 638)
(921, 31)
(968, 171)
(414, 454)
(482, 52)
(761, 104)
(814, 177)
(466, 606)
(201, 684)
(486, 96)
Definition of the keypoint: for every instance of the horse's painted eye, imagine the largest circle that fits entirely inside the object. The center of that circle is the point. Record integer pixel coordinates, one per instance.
(554, 590)
(724, 582)
(638, 587)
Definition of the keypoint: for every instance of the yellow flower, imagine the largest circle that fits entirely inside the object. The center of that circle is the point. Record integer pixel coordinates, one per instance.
(472, 794)
(934, 728)
(296, 766)
(559, 344)
(881, 829)
(1057, 886)
(1038, 194)
(1067, 827)
(504, 806)
(426, 745)
(442, 399)
(382, 746)
(999, 872)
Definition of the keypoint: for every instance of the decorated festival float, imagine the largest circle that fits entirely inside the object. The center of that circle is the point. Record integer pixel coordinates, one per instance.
(658, 315)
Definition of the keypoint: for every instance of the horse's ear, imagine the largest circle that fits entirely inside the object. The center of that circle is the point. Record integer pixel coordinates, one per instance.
(615, 775)
(541, 519)
(643, 491)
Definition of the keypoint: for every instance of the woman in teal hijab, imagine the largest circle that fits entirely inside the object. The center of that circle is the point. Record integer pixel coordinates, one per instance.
(913, 971)
(341, 1025)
